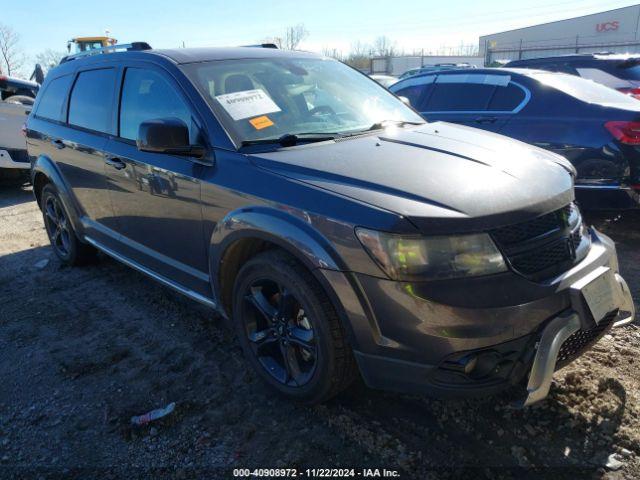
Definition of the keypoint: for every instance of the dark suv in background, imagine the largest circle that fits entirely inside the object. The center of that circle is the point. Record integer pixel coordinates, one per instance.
(334, 228)
(596, 128)
(618, 71)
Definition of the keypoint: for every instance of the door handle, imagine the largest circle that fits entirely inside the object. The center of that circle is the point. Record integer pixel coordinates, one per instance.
(115, 163)
(59, 144)
(486, 120)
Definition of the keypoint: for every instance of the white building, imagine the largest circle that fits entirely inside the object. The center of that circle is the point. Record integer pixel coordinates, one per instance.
(614, 30)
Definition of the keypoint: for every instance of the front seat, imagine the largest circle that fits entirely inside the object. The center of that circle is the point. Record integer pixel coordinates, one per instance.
(237, 83)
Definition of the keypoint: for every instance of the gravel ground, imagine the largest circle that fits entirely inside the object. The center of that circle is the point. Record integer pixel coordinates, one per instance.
(82, 350)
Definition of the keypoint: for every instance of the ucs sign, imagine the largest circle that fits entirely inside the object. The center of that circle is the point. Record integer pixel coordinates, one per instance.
(608, 26)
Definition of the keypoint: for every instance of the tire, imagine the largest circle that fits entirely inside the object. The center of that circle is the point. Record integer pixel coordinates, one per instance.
(298, 320)
(64, 240)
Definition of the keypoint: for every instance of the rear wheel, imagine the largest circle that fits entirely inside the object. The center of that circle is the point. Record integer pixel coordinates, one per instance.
(66, 245)
(289, 330)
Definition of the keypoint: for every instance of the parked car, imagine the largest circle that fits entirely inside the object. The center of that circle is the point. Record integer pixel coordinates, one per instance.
(338, 237)
(594, 127)
(10, 86)
(618, 71)
(384, 80)
(13, 146)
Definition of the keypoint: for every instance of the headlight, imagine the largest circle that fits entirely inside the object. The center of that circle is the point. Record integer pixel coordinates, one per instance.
(429, 258)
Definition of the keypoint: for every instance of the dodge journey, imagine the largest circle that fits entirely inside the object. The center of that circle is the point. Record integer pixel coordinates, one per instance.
(338, 232)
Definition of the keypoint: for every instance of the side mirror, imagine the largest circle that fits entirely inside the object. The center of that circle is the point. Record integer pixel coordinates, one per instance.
(404, 100)
(167, 135)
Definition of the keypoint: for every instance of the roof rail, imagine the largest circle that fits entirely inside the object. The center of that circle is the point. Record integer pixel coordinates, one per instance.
(262, 45)
(127, 47)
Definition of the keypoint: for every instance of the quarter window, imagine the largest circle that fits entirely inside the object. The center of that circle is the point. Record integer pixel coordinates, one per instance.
(146, 95)
(91, 99)
(506, 99)
(53, 98)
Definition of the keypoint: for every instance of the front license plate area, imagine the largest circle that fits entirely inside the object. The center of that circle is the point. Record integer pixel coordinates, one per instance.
(594, 296)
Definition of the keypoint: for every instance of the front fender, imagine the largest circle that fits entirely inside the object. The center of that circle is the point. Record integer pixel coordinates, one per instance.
(303, 241)
(44, 166)
(281, 228)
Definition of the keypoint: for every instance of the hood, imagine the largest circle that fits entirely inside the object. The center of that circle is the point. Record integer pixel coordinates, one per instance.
(443, 177)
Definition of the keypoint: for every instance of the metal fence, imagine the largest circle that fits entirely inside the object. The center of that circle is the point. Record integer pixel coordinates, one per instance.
(525, 50)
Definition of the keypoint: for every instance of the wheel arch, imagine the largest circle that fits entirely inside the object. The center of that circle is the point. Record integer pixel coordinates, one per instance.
(43, 172)
(247, 232)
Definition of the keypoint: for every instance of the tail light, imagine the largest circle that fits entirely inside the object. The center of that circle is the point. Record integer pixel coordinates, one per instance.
(633, 92)
(625, 132)
(24, 129)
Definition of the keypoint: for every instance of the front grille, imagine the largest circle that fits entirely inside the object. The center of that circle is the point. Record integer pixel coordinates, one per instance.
(538, 226)
(544, 246)
(580, 341)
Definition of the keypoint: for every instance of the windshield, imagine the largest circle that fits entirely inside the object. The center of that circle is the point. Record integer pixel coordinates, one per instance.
(260, 99)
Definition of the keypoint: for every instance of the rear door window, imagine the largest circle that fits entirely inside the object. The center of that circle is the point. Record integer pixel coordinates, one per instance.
(462, 93)
(53, 98)
(147, 95)
(91, 100)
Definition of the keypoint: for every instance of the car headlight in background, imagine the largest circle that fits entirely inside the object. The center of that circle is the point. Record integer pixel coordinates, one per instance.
(432, 258)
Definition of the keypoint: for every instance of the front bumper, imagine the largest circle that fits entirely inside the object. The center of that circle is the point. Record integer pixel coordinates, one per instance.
(478, 338)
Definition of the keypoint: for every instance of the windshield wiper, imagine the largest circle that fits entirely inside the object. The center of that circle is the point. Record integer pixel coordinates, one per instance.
(290, 139)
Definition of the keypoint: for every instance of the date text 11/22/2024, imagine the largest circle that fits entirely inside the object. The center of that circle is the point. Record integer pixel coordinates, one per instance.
(315, 473)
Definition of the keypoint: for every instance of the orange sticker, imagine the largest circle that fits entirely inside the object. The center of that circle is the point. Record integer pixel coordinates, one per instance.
(261, 122)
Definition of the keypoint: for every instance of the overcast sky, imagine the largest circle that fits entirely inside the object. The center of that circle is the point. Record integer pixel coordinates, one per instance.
(411, 24)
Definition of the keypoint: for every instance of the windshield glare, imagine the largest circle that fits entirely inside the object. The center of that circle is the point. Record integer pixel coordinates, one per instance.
(258, 99)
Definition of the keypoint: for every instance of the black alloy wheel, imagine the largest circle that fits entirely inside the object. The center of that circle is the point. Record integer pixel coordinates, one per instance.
(289, 329)
(57, 225)
(280, 333)
(66, 245)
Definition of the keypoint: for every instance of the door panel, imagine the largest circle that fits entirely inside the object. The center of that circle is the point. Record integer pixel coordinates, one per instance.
(80, 158)
(156, 198)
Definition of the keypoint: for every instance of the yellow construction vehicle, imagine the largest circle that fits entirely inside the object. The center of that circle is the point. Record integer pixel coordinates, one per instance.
(83, 44)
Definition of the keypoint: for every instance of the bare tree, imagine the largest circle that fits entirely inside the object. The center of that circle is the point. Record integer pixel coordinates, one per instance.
(12, 58)
(359, 56)
(333, 53)
(384, 47)
(49, 58)
(294, 36)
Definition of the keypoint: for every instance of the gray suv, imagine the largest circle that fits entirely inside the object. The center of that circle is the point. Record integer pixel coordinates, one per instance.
(338, 232)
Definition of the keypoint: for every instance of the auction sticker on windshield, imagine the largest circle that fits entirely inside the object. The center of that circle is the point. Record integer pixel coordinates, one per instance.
(248, 103)
(261, 122)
